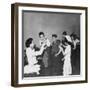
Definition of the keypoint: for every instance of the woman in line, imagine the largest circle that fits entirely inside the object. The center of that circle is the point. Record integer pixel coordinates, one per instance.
(67, 69)
(75, 54)
(56, 56)
(65, 48)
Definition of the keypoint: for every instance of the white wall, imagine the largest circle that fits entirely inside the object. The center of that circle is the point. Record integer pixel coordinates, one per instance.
(5, 45)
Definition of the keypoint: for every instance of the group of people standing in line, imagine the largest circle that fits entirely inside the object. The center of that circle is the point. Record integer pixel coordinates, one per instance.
(52, 58)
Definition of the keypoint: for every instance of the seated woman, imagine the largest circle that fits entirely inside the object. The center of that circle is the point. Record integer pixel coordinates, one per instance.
(32, 66)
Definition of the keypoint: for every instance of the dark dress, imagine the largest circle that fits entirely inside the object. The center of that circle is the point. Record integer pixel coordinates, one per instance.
(57, 64)
(44, 61)
(75, 60)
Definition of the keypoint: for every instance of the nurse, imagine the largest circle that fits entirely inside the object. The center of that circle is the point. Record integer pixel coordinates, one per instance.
(33, 66)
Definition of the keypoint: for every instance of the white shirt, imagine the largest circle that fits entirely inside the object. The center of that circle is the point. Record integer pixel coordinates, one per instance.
(31, 55)
(46, 41)
(67, 52)
(32, 61)
(68, 38)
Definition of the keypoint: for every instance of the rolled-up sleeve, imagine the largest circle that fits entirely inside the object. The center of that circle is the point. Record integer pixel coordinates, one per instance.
(36, 53)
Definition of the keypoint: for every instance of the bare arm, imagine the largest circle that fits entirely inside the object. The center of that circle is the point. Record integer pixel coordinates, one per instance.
(60, 50)
(40, 51)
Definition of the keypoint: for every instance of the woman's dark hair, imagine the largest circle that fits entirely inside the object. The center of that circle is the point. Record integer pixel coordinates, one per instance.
(64, 33)
(28, 42)
(54, 35)
(74, 36)
(66, 41)
(41, 33)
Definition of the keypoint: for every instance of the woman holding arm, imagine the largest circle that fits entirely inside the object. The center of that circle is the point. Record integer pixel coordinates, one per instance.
(32, 66)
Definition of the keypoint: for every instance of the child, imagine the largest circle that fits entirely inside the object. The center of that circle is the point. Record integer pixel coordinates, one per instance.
(32, 66)
(43, 39)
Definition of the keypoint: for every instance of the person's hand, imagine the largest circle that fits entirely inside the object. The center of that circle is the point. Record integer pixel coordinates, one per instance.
(56, 55)
(43, 45)
(63, 59)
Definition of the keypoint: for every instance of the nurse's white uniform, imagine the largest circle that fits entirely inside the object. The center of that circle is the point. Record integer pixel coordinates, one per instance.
(32, 66)
(67, 70)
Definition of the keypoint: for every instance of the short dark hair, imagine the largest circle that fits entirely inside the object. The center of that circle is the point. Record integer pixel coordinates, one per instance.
(28, 42)
(64, 41)
(54, 35)
(58, 42)
(64, 33)
(41, 33)
(73, 35)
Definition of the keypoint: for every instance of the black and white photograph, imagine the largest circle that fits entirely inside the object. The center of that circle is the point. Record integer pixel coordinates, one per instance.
(51, 44)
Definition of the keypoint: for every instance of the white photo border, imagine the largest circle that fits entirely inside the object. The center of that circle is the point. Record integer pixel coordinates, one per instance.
(46, 79)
